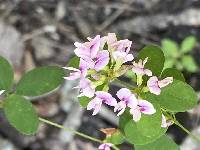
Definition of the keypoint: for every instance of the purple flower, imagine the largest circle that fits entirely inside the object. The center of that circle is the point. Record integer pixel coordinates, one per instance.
(165, 123)
(118, 49)
(101, 97)
(91, 54)
(101, 60)
(155, 85)
(86, 88)
(144, 107)
(122, 45)
(106, 146)
(127, 99)
(139, 69)
(88, 49)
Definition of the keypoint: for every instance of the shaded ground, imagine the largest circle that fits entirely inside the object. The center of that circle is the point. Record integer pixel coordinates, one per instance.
(42, 32)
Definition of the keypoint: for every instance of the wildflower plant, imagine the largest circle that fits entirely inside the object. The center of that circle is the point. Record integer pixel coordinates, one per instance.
(145, 108)
(178, 56)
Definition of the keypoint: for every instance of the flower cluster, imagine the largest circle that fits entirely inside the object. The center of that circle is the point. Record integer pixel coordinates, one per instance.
(101, 62)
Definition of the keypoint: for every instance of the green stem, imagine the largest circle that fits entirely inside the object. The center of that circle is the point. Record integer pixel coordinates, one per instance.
(124, 84)
(187, 131)
(75, 132)
(70, 130)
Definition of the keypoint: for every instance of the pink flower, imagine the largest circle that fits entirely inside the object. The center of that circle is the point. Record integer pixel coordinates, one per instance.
(91, 54)
(144, 107)
(122, 56)
(99, 61)
(139, 69)
(155, 85)
(119, 49)
(123, 45)
(86, 88)
(127, 99)
(106, 146)
(77, 73)
(88, 49)
(165, 123)
(101, 97)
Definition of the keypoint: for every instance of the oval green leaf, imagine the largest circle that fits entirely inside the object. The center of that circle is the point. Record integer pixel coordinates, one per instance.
(163, 143)
(156, 58)
(134, 136)
(172, 72)
(177, 97)
(40, 81)
(188, 44)
(170, 48)
(6, 74)
(21, 114)
(189, 63)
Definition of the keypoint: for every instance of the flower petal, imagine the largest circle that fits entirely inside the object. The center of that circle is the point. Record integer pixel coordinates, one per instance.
(165, 82)
(164, 122)
(123, 93)
(95, 46)
(106, 98)
(86, 87)
(1, 92)
(136, 114)
(129, 57)
(148, 72)
(132, 101)
(105, 146)
(146, 107)
(95, 104)
(120, 107)
(102, 60)
(138, 71)
(152, 84)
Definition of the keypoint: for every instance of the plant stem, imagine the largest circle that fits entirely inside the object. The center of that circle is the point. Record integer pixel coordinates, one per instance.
(75, 132)
(187, 131)
(70, 130)
(124, 84)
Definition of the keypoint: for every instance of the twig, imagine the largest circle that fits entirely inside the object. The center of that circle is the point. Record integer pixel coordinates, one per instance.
(113, 17)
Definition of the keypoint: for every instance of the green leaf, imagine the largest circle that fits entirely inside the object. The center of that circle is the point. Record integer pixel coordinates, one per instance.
(150, 125)
(124, 119)
(170, 48)
(116, 138)
(171, 72)
(6, 74)
(134, 136)
(40, 81)
(83, 101)
(176, 97)
(163, 143)
(74, 62)
(189, 64)
(188, 44)
(155, 56)
(21, 114)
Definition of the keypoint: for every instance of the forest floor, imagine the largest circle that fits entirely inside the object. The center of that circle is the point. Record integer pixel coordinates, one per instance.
(42, 32)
